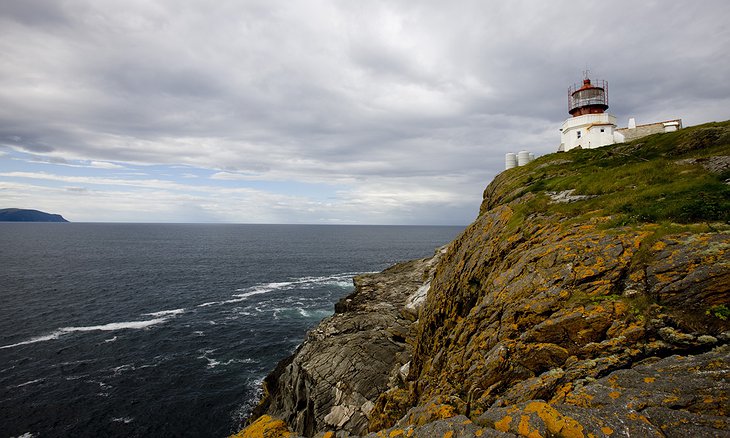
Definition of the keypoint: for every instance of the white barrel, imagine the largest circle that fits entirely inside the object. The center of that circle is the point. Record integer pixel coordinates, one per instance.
(532, 157)
(523, 158)
(510, 160)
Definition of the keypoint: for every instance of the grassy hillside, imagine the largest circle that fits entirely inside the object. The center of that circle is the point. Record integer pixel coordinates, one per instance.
(680, 178)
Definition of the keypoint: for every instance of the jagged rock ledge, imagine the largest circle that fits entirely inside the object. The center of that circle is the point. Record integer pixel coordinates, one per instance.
(334, 378)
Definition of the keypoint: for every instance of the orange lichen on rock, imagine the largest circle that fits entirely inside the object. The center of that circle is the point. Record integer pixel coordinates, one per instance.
(523, 428)
(658, 246)
(431, 411)
(557, 424)
(670, 400)
(265, 427)
(561, 393)
(503, 424)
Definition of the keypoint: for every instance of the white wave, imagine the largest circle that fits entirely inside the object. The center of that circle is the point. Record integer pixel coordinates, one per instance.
(276, 311)
(26, 435)
(343, 283)
(28, 383)
(118, 370)
(340, 280)
(235, 300)
(125, 420)
(212, 363)
(263, 288)
(257, 389)
(111, 339)
(166, 312)
(115, 326)
(104, 327)
(345, 276)
(54, 335)
(7, 369)
(314, 313)
(77, 362)
(80, 376)
(248, 294)
(344, 279)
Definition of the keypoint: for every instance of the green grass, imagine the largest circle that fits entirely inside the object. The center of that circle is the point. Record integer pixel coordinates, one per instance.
(644, 181)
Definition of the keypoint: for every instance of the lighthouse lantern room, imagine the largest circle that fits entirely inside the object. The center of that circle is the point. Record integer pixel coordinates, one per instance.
(590, 126)
(590, 98)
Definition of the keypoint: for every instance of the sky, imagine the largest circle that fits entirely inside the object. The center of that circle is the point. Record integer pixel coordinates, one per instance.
(322, 111)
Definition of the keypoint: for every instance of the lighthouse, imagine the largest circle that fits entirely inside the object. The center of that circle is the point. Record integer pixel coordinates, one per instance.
(589, 126)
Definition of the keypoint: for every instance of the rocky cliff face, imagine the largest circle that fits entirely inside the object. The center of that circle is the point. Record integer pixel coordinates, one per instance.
(589, 298)
(335, 377)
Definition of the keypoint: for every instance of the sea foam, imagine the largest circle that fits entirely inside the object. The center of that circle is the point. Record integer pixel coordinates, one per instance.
(343, 280)
(166, 312)
(104, 327)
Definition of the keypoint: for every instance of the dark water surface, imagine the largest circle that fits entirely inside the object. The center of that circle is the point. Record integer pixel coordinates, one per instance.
(151, 330)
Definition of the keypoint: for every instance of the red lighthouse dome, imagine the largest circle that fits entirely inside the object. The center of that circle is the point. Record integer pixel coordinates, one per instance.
(588, 99)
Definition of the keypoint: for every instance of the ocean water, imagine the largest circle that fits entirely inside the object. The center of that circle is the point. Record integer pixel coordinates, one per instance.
(152, 330)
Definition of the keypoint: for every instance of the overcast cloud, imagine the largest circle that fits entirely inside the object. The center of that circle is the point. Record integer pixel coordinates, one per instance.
(385, 112)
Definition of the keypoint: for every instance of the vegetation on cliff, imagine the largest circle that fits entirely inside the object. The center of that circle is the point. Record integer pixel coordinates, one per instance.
(589, 298)
(678, 177)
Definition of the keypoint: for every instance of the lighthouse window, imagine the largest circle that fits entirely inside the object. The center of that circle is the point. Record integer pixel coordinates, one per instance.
(603, 130)
(578, 134)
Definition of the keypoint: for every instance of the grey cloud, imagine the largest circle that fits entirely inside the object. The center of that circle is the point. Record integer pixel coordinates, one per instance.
(34, 12)
(332, 90)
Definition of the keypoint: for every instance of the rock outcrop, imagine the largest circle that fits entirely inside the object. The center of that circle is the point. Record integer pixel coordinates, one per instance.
(337, 374)
(603, 316)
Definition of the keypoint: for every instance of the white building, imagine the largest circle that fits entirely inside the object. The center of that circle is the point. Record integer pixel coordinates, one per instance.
(590, 126)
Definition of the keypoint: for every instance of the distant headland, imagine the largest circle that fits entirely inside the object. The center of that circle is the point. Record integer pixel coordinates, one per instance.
(22, 215)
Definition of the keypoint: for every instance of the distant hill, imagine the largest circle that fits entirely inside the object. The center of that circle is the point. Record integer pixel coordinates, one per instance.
(21, 215)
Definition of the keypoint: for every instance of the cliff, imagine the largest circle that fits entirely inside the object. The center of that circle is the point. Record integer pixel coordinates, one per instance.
(20, 215)
(589, 298)
(336, 376)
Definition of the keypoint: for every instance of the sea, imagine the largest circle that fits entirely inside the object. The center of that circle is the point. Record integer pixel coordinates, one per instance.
(139, 330)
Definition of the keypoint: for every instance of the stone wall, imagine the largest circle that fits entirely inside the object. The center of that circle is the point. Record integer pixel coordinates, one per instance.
(644, 130)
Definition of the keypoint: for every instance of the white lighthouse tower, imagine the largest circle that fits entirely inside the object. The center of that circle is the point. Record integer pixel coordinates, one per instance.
(590, 126)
